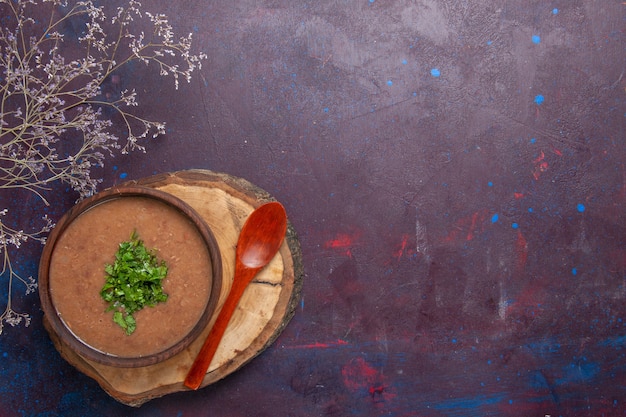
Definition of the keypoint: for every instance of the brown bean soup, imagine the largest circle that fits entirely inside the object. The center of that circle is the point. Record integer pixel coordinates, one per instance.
(90, 242)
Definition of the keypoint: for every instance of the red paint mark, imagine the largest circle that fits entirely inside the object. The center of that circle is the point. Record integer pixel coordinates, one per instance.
(557, 151)
(319, 345)
(518, 195)
(358, 375)
(470, 233)
(376, 390)
(467, 227)
(343, 242)
(403, 245)
(541, 166)
(521, 247)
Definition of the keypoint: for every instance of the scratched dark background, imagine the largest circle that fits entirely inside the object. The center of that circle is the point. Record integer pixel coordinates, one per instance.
(456, 173)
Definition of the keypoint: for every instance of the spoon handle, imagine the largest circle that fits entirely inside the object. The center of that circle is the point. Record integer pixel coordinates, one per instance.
(198, 370)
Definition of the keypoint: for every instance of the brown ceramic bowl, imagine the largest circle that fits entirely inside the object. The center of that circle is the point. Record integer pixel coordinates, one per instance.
(71, 275)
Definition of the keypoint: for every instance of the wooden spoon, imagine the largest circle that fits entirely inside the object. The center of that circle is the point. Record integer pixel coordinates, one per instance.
(260, 238)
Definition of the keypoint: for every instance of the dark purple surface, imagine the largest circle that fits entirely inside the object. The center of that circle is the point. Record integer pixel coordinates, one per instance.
(455, 171)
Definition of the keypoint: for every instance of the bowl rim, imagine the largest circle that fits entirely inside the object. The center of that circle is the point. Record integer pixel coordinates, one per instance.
(113, 193)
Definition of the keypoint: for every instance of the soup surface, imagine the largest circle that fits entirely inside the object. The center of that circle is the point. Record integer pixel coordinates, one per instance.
(90, 242)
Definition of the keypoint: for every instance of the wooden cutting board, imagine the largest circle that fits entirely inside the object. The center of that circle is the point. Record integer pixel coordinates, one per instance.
(265, 309)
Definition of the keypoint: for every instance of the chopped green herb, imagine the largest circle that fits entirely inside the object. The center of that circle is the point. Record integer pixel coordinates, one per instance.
(133, 282)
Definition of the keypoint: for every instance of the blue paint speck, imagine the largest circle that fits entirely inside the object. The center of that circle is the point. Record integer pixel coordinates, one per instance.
(536, 39)
(372, 1)
(533, 140)
(580, 207)
(494, 218)
(539, 99)
(5, 354)
(389, 83)
(490, 184)
(574, 271)
(530, 209)
(404, 62)
(123, 175)
(435, 72)
(325, 109)
(555, 11)
(489, 42)
(454, 340)
(114, 167)
(514, 225)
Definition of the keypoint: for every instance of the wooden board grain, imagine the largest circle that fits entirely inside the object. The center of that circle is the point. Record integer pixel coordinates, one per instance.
(266, 307)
